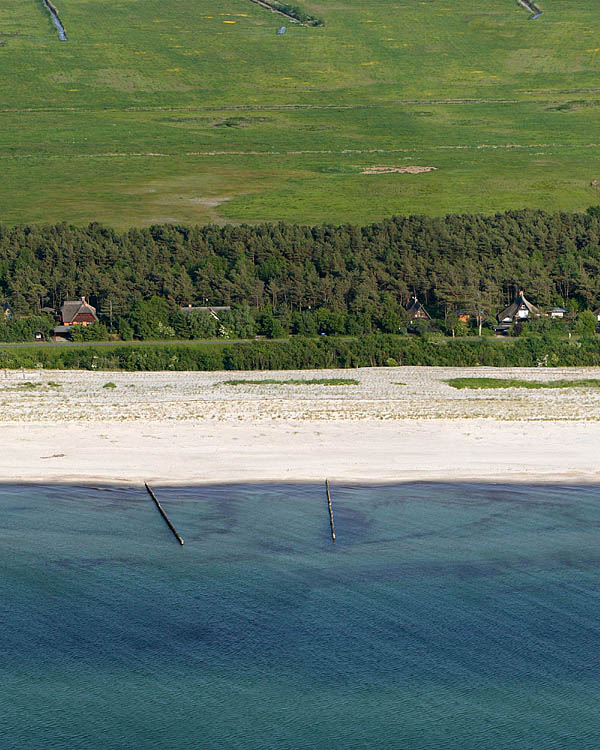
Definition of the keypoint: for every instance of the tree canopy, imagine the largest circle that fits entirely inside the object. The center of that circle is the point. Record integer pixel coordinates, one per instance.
(331, 279)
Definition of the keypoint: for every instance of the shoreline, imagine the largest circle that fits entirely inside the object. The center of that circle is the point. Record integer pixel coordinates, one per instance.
(397, 425)
(105, 486)
(359, 452)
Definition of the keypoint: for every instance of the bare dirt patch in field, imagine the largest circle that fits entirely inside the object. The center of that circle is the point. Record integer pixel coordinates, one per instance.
(398, 170)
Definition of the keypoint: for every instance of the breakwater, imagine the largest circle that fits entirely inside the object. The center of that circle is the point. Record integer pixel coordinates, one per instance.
(330, 510)
(163, 514)
(53, 10)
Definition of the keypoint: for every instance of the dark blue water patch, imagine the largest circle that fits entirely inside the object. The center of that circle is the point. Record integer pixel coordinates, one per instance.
(446, 615)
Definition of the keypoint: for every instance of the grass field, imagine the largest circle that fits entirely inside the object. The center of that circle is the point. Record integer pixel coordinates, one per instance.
(194, 111)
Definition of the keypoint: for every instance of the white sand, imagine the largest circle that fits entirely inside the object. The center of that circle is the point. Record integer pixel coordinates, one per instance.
(190, 428)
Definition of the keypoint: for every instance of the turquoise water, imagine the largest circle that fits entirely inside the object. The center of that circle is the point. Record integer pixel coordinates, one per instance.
(446, 616)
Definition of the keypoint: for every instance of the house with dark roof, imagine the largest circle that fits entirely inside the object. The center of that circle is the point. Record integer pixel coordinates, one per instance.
(519, 310)
(416, 311)
(77, 312)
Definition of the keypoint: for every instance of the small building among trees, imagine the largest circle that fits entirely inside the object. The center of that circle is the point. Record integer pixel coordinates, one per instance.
(73, 313)
(77, 312)
(416, 311)
(519, 310)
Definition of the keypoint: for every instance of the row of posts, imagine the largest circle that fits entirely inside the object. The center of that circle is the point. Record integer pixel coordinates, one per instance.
(180, 539)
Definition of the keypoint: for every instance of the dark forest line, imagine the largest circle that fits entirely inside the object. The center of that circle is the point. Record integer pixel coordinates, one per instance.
(287, 279)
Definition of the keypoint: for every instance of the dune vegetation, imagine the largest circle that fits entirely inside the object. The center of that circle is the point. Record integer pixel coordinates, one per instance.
(485, 383)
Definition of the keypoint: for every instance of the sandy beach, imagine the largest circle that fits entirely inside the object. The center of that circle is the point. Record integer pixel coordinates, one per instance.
(398, 424)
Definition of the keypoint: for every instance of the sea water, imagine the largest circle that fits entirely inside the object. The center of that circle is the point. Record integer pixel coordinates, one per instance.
(445, 616)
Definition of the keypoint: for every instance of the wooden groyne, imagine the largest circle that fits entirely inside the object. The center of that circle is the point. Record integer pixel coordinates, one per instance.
(330, 510)
(164, 515)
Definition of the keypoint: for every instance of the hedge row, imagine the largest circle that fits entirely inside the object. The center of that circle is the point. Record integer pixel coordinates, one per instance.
(298, 354)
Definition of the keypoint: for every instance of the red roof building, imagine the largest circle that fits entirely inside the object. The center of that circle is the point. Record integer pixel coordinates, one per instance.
(77, 312)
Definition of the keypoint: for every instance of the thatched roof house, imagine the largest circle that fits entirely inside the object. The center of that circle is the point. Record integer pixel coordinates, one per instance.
(416, 311)
(77, 312)
(520, 309)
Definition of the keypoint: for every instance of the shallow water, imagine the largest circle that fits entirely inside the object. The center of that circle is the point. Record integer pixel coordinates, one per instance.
(445, 616)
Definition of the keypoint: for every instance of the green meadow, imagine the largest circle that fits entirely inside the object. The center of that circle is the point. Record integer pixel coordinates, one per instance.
(191, 111)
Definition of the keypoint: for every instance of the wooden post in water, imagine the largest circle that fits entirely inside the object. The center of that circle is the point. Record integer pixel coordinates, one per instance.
(164, 515)
(330, 511)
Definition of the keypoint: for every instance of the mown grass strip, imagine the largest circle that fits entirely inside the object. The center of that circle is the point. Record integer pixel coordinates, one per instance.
(315, 381)
(479, 383)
